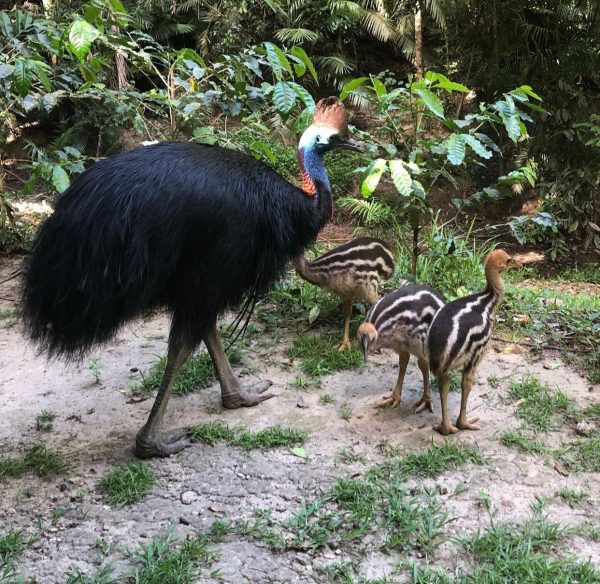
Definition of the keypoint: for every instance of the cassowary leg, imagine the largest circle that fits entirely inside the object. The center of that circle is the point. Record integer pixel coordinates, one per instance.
(395, 397)
(151, 440)
(232, 394)
(345, 344)
(463, 422)
(446, 426)
(425, 401)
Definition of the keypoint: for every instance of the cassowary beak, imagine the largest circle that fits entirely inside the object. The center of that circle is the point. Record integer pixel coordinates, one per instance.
(364, 341)
(350, 144)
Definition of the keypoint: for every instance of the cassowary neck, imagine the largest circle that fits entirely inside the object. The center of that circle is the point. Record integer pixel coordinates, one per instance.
(312, 170)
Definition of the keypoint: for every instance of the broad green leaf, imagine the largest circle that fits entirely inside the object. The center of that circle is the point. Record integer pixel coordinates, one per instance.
(314, 313)
(455, 147)
(300, 53)
(6, 25)
(303, 94)
(119, 11)
(284, 97)
(487, 141)
(299, 452)
(432, 101)
(22, 77)
(442, 82)
(60, 179)
(529, 91)
(81, 36)
(40, 70)
(401, 177)
(507, 112)
(379, 87)
(351, 86)
(273, 60)
(477, 146)
(374, 172)
(6, 70)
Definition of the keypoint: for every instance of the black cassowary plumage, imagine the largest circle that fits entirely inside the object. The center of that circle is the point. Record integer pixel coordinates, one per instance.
(190, 227)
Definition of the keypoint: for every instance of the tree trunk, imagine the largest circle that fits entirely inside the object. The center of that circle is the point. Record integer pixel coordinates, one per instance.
(419, 43)
(121, 71)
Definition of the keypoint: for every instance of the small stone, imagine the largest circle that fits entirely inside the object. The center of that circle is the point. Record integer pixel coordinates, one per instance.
(184, 520)
(63, 486)
(143, 535)
(338, 552)
(188, 497)
(105, 528)
(585, 428)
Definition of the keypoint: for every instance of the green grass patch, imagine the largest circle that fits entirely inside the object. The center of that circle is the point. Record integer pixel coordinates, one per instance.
(518, 440)
(592, 411)
(12, 545)
(583, 454)
(38, 460)
(430, 463)
(44, 421)
(128, 483)
(540, 407)
(319, 355)
(274, 437)
(196, 373)
(573, 497)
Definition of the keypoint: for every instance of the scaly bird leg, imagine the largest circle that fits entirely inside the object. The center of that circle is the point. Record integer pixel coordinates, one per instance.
(345, 344)
(232, 394)
(446, 426)
(394, 399)
(151, 440)
(463, 422)
(425, 401)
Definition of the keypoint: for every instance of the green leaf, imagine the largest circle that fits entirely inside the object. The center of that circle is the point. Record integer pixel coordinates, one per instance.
(511, 122)
(432, 101)
(300, 53)
(278, 61)
(6, 70)
(60, 179)
(379, 87)
(299, 452)
(374, 172)
(22, 78)
(314, 314)
(351, 86)
(40, 70)
(526, 89)
(284, 97)
(442, 82)
(303, 94)
(455, 146)
(401, 177)
(81, 36)
(477, 146)
(6, 25)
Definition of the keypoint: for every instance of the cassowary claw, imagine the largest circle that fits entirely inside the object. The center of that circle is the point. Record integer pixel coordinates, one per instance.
(242, 398)
(164, 445)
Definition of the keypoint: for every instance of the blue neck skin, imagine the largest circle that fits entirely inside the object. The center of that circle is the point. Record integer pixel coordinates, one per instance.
(311, 162)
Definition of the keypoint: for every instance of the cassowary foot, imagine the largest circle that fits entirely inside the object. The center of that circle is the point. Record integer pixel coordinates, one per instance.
(423, 404)
(344, 346)
(468, 424)
(247, 398)
(445, 427)
(165, 444)
(391, 400)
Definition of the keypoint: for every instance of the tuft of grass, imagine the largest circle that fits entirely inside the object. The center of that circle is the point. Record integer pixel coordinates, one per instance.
(345, 412)
(196, 373)
(12, 545)
(44, 420)
(572, 497)
(161, 562)
(261, 530)
(518, 440)
(454, 381)
(38, 460)
(274, 437)
(128, 483)
(326, 398)
(319, 355)
(592, 411)
(583, 454)
(347, 455)
(538, 405)
(430, 463)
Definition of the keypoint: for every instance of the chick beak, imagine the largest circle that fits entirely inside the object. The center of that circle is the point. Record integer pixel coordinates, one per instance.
(365, 346)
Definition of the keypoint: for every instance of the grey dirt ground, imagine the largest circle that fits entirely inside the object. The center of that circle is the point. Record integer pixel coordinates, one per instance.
(96, 425)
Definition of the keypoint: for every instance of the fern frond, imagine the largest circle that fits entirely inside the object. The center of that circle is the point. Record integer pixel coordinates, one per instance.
(296, 35)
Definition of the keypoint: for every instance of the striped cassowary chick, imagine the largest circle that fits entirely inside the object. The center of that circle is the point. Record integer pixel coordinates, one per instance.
(354, 270)
(459, 335)
(400, 321)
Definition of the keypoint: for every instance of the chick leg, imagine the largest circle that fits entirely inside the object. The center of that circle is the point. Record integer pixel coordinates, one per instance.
(463, 422)
(395, 397)
(151, 440)
(425, 401)
(345, 344)
(446, 426)
(232, 394)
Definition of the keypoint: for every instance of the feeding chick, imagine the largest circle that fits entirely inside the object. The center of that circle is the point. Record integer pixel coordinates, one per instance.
(400, 321)
(459, 335)
(354, 270)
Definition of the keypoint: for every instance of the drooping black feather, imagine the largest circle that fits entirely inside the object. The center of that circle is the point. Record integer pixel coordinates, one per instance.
(189, 227)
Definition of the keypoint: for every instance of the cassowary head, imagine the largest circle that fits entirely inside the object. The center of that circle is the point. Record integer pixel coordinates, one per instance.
(329, 128)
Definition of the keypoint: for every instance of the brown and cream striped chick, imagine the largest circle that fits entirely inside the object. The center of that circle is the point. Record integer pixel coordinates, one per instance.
(354, 270)
(400, 321)
(459, 335)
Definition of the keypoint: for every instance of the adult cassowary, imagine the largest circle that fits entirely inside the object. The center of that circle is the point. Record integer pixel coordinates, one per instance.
(190, 227)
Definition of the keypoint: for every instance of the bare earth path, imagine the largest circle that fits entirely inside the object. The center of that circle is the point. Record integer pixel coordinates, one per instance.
(96, 425)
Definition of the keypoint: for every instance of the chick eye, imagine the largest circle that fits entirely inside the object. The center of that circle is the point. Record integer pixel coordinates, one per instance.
(510, 261)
